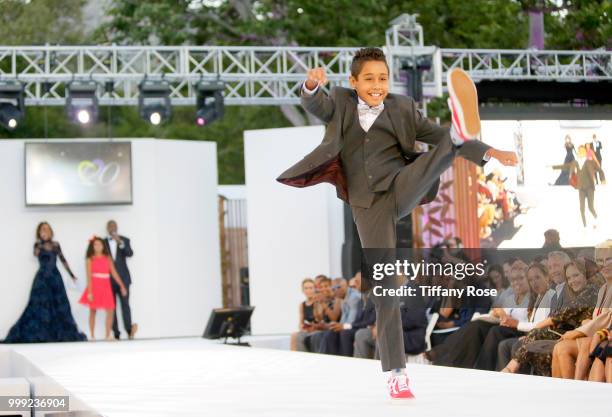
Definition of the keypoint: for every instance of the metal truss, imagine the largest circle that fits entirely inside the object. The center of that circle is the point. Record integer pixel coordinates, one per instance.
(253, 75)
(530, 64)
(272, 75)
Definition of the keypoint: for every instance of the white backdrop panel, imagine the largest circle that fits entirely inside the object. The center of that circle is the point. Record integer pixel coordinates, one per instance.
(173, 225)
(293, 232)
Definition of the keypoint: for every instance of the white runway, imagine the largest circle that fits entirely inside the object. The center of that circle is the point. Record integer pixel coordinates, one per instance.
(558, 208)
(196, 377)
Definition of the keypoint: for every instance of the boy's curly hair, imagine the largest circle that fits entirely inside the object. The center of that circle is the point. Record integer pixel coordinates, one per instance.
(367, 54)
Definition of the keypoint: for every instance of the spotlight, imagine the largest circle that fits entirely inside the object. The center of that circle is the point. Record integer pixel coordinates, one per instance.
(82, 102)
(83, 116)
(155, 118)
(12, 108)
(209, 102)
(154, 101)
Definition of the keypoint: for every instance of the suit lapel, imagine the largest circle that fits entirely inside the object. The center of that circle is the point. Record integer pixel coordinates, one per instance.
(350, 111)
(396, 119)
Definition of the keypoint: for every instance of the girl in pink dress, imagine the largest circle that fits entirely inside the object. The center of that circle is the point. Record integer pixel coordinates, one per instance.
(99, 294)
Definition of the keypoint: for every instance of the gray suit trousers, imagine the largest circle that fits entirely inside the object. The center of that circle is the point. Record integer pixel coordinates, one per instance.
(376, 227)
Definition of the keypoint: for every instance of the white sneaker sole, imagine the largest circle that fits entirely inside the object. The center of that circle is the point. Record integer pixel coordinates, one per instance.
(464, 96)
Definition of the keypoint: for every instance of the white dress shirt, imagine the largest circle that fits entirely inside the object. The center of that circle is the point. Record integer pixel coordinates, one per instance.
(112, 244)
(517, 311)
(541, 311)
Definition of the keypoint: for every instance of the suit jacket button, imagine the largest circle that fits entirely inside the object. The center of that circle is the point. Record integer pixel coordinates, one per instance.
(367, 140)
(329, 155)
(369, 176)
(310, 166)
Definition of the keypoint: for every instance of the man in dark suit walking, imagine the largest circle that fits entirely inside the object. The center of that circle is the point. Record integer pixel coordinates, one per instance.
(596, 147)
(120, 249)
(585, 170)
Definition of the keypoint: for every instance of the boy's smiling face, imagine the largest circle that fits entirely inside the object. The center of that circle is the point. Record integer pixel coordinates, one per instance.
(372, 82)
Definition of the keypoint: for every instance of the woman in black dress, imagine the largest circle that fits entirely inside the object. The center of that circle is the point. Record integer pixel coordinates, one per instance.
(563, 178)
(47, 317)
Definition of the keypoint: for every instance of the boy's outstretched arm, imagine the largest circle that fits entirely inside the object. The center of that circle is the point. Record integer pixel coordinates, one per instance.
(313, 99)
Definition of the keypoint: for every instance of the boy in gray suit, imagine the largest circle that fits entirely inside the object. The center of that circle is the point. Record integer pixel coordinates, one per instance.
(368, 153)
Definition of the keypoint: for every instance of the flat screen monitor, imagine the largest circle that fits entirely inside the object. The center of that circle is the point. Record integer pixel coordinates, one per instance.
(78, 173)
(228, 322)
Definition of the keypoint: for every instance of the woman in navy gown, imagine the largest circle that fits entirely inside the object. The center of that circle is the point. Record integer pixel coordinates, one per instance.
(564, 176)
(47, 317)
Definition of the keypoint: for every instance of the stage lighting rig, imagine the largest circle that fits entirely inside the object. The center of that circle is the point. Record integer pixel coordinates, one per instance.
(154, 101)
(209, 102)
(12, 108)
(82, 102)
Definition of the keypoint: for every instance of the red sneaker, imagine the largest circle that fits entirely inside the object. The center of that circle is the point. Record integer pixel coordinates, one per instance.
(463, 103)
(398, 388)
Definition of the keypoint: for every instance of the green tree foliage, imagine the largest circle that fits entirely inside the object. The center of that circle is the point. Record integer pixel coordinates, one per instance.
(38, 22)
(580, 24)
(447, 23)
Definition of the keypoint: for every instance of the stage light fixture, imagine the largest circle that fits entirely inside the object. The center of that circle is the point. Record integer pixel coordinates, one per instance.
(12, 108)
(209, 102)
(154, 101)
(82, 102)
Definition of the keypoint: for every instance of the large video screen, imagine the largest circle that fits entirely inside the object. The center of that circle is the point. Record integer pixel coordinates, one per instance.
(78, 173)
(542, 192)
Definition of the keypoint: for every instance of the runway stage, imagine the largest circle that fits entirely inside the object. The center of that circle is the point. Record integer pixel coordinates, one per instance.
(197, 377)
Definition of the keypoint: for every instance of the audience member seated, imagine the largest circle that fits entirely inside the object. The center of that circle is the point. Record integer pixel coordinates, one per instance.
(451, 313)
(328, 341)
(306, 315)
(463, 347)
(414, 325)
(350, 344)
(327, 309)
(511, 328)
(571, 355)
(581, 298)
(498, 281)
(601, 370)
(552, 240)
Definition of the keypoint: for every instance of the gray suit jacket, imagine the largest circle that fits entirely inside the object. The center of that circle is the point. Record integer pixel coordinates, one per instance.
(323, 164)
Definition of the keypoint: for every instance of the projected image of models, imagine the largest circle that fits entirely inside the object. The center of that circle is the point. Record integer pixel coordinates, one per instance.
(66, 173)
(559, 189)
